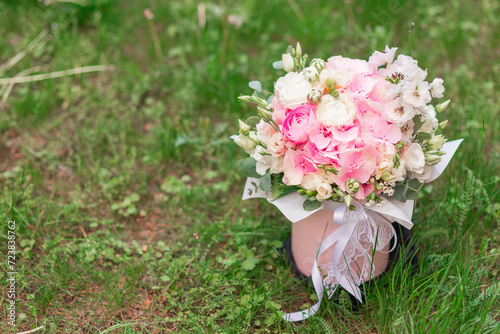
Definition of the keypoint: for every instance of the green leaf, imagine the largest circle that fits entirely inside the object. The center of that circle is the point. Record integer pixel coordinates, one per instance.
(249, 263)
(311, 205)
(423, 135)
(265, 182)
(400, 193)
(253, 120)
(248, 167)
(414, 184)
(417, 123)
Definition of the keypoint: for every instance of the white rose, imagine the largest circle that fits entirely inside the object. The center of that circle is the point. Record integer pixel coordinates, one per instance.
(287, 62)
(414, 158)
(311, 181)
(425, 175)
(293, 89)
(332, 111)
(243, 141)
(325, 191)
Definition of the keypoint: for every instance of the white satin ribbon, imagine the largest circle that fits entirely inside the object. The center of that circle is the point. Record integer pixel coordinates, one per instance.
(340, 239)
(291, 206)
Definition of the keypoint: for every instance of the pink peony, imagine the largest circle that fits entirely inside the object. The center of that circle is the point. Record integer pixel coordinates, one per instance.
(297, 122)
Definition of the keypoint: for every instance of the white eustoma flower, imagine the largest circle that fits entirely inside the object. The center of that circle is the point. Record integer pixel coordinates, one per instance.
(332, 111)
(293, 89)
(407, 132)
(381, 58)
(414, 158)
(399, 112)
(287, 62)
(429, 112)
(325, 191)
(437, 88)
(244, 142)
(266, 161)
(416, 93)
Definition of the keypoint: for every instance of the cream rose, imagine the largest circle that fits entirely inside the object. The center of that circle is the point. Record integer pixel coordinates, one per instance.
(311, 181)
(332, 111)
(293, 89)
(276, 144)
(325, 191)
(414, 158)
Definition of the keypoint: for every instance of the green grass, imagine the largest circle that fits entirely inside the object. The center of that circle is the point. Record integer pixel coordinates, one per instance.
(123, 188)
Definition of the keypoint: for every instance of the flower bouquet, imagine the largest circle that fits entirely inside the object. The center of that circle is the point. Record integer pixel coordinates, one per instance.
(353, 137)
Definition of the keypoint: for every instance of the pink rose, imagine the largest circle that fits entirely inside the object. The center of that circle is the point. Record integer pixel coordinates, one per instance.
(296, 124)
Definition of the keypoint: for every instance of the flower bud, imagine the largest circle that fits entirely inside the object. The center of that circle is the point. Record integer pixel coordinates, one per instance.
(311, 73)
(318, 63)
(443, 124)
(310, 193)
(265, 114)
(386, 176)
(298, 50)
(348, 200)
(442, 106)
(432, 159)
(352, 185)
(334, 93)
(314, 96)
(287, 62)
(436, 142)
(244, 127)
(246, 143)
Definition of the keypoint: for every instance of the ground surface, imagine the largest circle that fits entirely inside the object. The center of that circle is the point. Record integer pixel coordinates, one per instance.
(122, 183)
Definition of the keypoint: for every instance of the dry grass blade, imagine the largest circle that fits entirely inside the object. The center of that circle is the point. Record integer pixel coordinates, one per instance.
(8, 88)
(58, 74)
(34, 43)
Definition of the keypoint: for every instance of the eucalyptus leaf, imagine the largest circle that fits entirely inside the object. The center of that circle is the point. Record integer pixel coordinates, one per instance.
(400, 193)
(414, 184)
(278, 65)
(248, 167)
(311, 205)
(265, 182)
(411, 194)
(255, 85)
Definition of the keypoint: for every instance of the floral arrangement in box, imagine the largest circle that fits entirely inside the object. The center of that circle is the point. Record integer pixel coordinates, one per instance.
(351, 137)
(345, 129)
